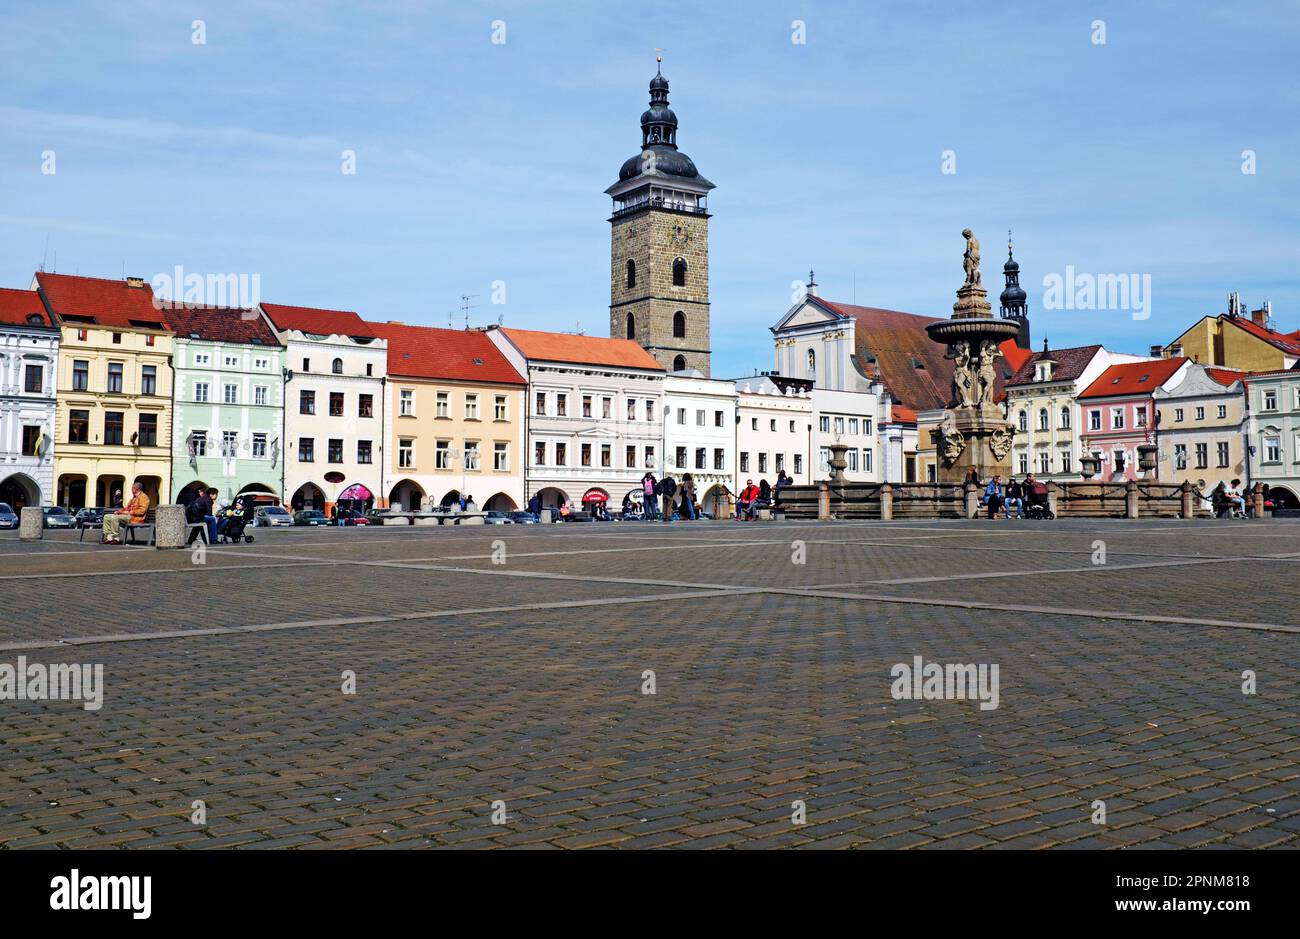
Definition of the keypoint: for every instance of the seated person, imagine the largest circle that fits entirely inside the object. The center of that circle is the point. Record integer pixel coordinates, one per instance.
(135, 512)
(202, 510)
(748, 496)
(1232, 495)
(1015, 498)
(1035, 491)
(993, 495)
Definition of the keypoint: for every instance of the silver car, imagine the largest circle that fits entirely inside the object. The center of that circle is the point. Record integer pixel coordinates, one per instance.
(271, 516)
(8, 517)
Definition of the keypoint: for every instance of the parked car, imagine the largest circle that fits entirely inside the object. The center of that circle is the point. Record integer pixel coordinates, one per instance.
(57, 517)
(350, 517)
(271, 516)
(523, 518)
(498, 518)
(8, 517)
(310, 517)
(89, 518)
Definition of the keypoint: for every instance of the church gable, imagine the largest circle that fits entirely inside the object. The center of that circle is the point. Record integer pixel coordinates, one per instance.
(807, 312)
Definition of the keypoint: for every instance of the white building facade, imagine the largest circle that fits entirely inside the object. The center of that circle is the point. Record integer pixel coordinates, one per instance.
(29, 348)
(700, 435)
(334, 430)
(854, 419)
(774, 431)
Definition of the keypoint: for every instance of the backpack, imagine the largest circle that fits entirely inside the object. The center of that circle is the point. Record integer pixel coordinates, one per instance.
(668, 486)
(194, 511)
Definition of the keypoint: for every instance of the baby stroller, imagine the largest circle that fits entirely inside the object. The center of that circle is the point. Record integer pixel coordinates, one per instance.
(1037, 506)
(231, 527)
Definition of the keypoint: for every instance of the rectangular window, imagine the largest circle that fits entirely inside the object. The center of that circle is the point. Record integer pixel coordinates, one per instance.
(561, 405)
(1223, 454)
(744, 461)
(681, 415)
(229, 443)
(335, 453)
(365, 405)
(701, 456)
(117, 339)
(561, 454)
(500, 409)
(501, 457)
(1094, 420)
(606, 455)
(260, 395)
(630, 458)
(540, 407)
(718, 419)
(825, 424)
(1202, 455)
(606, 407)
(1200, 414)
(442, 455)
(201, 392)
(585, 455)
(1180, 456)
(80, 375)
(649, 410)
(1178, 415)
(1044, 462)
(78, 426)
(1117, 418)
(719, 458)
(866, 461)
(202, 358)
(762, 462)
(113, 427)
(336, 404)
(631, 409)
(33, 378)
(1270, 400)
(365, 452)
(798, 463)
(853, 425)
(148, 433)
(679, 457)
(539, 454)
(259, 446)
(1022, 462)
(406, 402)
(115, 378)
(1065, 461)
(261, 363)
(586, 405)
(306, 402)
(839, 425)
(699, 417)
(31, 433)
(200, 438)
(231, 361)
(306, 365)
(306, 450)
(852, 459)
(230, 394)
(650, 457)
(405, 453)
(1141, 417)
(442, 404)
(471, 407)
(1223, 411)
(1272, 449)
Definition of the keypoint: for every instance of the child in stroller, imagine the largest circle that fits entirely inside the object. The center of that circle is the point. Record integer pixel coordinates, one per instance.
(233, 521)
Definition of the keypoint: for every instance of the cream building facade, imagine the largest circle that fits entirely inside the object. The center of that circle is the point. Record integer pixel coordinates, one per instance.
(774, 431)
(1201, 430)
(700, 435)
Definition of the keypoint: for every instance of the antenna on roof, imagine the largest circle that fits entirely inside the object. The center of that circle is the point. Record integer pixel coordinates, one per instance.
(46, 252)
(466, 306)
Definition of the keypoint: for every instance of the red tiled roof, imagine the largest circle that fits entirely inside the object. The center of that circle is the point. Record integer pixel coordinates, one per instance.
(910, 364)
(104, 302)
(902, 414)
(321, 322)
(17, 305)
(1288, 344)
(429, 352)
(1070, 364)
(219, 324)
(1127, 378)
(1225, 376)
(585, 350)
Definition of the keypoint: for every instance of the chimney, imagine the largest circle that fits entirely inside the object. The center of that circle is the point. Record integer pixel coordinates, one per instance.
(1157, 352)
(1175, 352)
(1259, 317)
(135, 282)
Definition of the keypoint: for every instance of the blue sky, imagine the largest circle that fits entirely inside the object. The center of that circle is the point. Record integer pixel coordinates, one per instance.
(479, 162)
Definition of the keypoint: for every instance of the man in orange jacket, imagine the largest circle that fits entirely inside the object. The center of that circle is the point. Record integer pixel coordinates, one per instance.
(136, 511)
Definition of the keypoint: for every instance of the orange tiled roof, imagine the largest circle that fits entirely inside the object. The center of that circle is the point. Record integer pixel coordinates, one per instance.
(321, 322)
(584, 350)
(430, 352)
(1130, 378)
(16, 306)
(100, 302)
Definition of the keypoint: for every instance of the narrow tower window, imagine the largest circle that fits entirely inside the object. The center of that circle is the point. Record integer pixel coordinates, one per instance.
(679, 325)
(679, 273)
(679, 363)
(631, 326)
(631, 273)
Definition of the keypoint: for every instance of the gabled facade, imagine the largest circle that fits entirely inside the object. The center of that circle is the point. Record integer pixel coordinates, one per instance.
(454, 409)
(1237, 340)
(1117, 413)
(114, 390)
(1201, 427)
(594, 414)
(29, 349)
(228, 403)
(333, 407)
(774, 431)
(1273, 433)
(1041, 406)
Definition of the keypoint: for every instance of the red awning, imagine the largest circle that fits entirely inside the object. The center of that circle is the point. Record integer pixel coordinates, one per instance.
(595, 495)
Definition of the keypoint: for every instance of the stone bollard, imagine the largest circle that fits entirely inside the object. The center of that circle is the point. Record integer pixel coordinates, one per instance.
(169, 526)
(1188, 507)
(823, 503)
(31, 524)
(972, 500)
(1130, 499)
(1256, 500)
(886, 502)
(1053, 495)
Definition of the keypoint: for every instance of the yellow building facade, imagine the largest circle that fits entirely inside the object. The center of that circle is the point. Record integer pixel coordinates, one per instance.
(1239, 342)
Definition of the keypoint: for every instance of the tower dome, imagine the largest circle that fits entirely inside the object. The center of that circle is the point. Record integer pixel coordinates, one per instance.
(659, 154)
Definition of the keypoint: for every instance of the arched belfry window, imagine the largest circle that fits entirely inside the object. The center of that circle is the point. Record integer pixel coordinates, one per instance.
(338, 367)
(679, 273)
(631, 273)
(812, 364)
(679, 325)
(679, 363)
(631, 326)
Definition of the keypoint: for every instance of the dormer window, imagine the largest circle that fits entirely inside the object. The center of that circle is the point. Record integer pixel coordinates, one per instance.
(337, 367)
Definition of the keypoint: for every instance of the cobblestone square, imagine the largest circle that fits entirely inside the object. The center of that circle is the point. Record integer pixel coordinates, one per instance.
(502, 670)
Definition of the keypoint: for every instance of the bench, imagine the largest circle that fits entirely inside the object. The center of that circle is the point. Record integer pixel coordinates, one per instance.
(190, 528)
(130, 528)
(98, 523)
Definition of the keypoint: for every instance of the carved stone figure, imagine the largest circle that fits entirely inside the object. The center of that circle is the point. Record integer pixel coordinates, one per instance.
(963, 381)
(1000, 442)
(948, 439)
(971, 259)
(987, 376)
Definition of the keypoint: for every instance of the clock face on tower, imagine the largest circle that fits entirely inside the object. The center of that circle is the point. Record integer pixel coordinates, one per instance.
(679, 236)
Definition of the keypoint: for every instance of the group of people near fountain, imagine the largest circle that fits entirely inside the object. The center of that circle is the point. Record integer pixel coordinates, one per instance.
(1014, 494)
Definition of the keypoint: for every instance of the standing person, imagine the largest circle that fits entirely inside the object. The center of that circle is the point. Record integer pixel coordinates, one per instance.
(668, 489)
(135, 512)
(1016, 497)
(995, 494)
(748, 496)
(688, 497)
(535, 507)
(649, 489)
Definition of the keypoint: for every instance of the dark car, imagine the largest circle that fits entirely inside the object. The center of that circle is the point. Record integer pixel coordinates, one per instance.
(89, 518)
(310, 517)
(523, 518)
(57, 517)
(8, 517)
